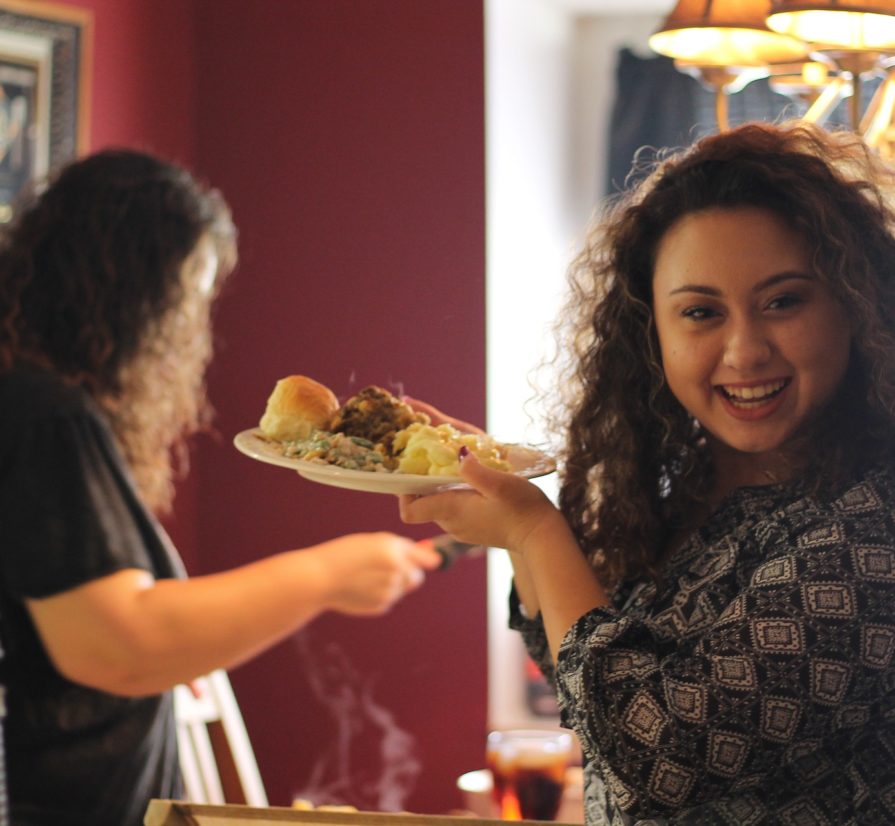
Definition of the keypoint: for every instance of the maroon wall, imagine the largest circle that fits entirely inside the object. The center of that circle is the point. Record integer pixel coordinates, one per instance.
(348, 136)
(138, 98)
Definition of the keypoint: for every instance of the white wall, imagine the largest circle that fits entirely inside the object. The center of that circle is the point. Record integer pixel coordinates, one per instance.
(549, 79)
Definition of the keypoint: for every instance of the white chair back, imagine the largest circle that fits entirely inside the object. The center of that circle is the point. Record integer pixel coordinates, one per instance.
(210, 733)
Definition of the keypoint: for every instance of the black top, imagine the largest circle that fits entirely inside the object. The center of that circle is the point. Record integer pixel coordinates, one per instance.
(756, 683)
(69, 514)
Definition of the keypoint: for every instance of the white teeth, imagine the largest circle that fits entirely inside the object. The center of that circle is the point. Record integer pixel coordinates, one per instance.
(755, 392)
(752, 394)
(749, 396)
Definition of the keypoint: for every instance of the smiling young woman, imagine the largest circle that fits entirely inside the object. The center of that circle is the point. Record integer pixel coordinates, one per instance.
(753, 344)
(712, 597)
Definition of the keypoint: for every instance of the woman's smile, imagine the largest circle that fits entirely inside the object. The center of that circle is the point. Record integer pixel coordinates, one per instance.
(754, 345)
(756, 400)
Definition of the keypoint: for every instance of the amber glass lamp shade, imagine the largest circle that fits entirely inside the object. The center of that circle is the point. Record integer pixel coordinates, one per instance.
(852, 25)
(725, 33)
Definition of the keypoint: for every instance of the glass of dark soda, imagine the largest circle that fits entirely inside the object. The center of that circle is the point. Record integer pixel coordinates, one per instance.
(528, 769)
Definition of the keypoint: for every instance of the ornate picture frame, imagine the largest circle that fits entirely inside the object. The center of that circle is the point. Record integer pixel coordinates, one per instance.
(45, 60)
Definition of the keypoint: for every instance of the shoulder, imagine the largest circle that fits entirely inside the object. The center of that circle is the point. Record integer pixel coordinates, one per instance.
(761, 524)
(30, 394)
(869, 496)
(879, 479)
(855, 520)
(867, 505)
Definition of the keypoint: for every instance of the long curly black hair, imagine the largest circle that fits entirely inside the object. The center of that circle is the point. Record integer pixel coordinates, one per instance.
(634, 462)
(98, 282)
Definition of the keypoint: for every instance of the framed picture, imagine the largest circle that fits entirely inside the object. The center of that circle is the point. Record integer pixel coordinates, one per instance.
(45, 52)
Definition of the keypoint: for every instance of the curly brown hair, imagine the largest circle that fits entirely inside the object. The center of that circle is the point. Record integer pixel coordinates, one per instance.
(98, 282)
(634, 463)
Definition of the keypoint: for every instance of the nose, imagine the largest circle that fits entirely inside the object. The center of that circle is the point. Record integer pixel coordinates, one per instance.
(747, 345)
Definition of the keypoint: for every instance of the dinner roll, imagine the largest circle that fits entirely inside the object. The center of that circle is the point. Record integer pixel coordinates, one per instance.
(297, 407)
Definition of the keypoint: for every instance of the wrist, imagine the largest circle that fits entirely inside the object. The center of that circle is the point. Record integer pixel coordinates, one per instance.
(314, 578)
(546, 529)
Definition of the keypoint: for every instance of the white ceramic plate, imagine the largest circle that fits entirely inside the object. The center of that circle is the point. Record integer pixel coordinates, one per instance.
(525, 461)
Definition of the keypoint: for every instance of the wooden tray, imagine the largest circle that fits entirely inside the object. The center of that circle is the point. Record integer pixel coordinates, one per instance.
(174, 813)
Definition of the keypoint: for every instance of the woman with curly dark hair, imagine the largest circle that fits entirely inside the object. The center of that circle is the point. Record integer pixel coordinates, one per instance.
(714, 596)
(107, 278)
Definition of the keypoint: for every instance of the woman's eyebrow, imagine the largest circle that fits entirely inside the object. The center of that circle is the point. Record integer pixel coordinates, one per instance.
(770, 281)
(695, 288)
(789, 275)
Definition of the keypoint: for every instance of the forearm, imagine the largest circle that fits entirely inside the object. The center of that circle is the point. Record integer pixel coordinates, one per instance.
(563, 584)
(524, 585)
(218, 621)
(552, 574)
(127, 633)
(130, 634)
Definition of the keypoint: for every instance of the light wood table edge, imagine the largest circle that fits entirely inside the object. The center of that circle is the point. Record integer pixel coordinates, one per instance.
(178, 813)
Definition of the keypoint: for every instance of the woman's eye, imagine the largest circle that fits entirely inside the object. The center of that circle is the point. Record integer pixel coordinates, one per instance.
(784, 302)
(698, 313)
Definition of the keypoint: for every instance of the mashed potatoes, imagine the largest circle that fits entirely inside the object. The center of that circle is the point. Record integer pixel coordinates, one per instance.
(430, 450)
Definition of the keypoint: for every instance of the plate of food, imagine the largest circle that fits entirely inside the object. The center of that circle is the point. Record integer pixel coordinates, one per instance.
(373, 442)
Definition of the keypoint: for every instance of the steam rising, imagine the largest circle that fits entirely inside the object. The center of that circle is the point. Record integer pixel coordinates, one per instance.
(343, 774)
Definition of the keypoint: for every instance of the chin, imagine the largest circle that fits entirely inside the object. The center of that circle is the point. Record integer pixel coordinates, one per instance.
(755, 446)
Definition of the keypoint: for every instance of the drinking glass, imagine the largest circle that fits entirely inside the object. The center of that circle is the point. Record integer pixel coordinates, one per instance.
(528, 768)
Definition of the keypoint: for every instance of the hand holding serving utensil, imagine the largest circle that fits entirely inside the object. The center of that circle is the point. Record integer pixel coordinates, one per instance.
(450, 549)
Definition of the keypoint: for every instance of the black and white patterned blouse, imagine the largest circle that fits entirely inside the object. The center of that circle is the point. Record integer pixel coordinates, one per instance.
(756, 685)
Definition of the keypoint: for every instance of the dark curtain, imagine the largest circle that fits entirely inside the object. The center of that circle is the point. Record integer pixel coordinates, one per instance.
(656, 107)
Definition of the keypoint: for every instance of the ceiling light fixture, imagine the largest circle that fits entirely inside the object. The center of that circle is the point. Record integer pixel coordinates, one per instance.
(816, 51)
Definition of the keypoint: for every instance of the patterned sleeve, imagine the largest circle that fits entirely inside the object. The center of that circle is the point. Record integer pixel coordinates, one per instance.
(531, 629)
(783, 664)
